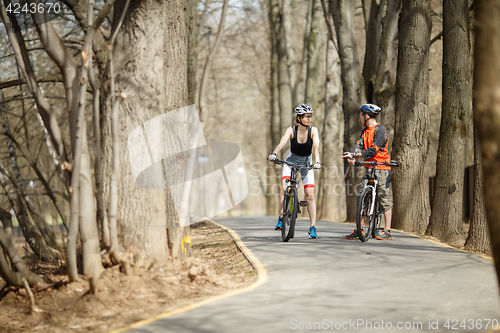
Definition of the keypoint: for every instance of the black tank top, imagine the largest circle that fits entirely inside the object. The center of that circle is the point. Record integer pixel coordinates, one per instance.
(301, 149)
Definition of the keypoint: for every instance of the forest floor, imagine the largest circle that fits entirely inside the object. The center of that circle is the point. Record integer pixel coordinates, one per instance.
(216, 267)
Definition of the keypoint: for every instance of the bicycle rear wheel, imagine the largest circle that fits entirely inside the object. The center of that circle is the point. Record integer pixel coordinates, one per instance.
(290, 207)
(364, 220)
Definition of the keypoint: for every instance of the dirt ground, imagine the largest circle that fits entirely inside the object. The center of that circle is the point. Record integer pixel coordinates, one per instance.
(217, 266)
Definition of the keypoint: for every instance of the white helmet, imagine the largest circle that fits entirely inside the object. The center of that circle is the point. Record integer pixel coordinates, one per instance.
(303, 109)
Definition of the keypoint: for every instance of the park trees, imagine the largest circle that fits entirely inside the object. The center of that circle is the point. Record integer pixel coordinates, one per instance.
(131, 87)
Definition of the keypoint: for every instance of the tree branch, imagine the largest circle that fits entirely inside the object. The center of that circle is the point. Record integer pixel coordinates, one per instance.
(329, 24)
(43, 106)
(208, 64)
(47, 78)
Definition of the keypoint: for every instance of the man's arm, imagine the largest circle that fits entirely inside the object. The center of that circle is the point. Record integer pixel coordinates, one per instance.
(378, 141)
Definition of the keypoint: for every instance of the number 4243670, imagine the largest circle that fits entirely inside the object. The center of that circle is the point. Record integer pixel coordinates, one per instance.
(455, 324)
(33, 8)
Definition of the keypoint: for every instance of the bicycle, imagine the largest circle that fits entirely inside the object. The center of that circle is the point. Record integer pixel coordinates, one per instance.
(368, 207)
(291, 203)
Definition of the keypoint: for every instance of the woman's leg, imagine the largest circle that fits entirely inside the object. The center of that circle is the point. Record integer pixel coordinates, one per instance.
(311, 204)
(282, 195)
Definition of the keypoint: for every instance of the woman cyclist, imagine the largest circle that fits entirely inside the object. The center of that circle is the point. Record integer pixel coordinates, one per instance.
(304, 139)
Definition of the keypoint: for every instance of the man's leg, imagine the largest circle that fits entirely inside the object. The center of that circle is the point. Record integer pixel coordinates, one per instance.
(388, 218)
(385, 203)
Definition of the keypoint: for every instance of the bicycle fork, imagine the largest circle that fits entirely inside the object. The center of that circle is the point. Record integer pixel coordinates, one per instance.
(374, 192)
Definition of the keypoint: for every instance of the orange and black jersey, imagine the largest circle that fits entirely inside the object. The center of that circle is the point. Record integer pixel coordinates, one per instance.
(373, 144)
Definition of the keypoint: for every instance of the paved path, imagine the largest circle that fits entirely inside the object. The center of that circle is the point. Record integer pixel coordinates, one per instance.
(332, 284)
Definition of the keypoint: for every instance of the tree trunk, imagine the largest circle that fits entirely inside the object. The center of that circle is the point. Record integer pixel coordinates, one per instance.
(152, 64)
(286, 25)
(332, 170)
(314, 43)
(272, 200)
(411, 137)
(373, 26)
(487, 110)
(7, 248)
(192, 50)
(300, 85)
(384, 89)
(447, 215)
(478, 239)
(342, 12)
(284, 87)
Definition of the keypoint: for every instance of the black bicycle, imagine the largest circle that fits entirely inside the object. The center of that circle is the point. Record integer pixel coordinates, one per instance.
(369, 209)
(291, 203)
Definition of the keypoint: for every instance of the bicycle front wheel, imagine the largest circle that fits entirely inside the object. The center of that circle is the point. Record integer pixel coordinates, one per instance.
(364, 220)
(378, 218)
(290, 207)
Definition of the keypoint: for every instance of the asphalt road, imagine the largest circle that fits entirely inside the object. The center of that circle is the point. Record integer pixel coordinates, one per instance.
(332, 284)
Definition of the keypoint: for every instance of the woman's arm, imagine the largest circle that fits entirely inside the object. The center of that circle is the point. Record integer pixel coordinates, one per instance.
(316, 141)
(284, 140)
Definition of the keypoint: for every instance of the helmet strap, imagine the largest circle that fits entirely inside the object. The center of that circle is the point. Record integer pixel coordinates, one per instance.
(300, 122)
(369, 117)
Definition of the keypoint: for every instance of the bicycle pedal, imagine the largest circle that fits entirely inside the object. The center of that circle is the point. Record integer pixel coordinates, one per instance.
(303, 203)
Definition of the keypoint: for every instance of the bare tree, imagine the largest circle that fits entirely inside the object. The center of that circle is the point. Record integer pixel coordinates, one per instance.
(314, 45)
(332, 172)
(446, 217)
(352, 87)
(411, 136)
(284, 86)
(478, 239)
(487, 110)
(272, 181)
(286, 25)
(151, 63)
(384, 87)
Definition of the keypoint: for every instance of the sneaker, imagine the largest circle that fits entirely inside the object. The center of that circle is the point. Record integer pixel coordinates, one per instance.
(312, 232)
(353, 234)
(278, 225)
(384, 234)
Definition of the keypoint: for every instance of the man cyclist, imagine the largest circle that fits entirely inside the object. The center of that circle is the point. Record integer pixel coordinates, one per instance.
(304, 139)
(372, 146)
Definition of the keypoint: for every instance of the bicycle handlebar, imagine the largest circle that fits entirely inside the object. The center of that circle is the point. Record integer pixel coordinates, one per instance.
(298, 166)
(392, 163)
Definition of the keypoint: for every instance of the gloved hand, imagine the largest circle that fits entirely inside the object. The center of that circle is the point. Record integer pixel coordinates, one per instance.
(317, 165)
(272, 157)
(348, 155)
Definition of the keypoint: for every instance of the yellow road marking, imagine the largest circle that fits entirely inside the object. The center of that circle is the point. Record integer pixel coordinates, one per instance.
(261, 279)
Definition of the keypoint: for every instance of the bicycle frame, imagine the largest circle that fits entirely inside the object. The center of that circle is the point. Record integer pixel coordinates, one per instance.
(290, 198)
(374, 189)
(373, 217)
(292, 182)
